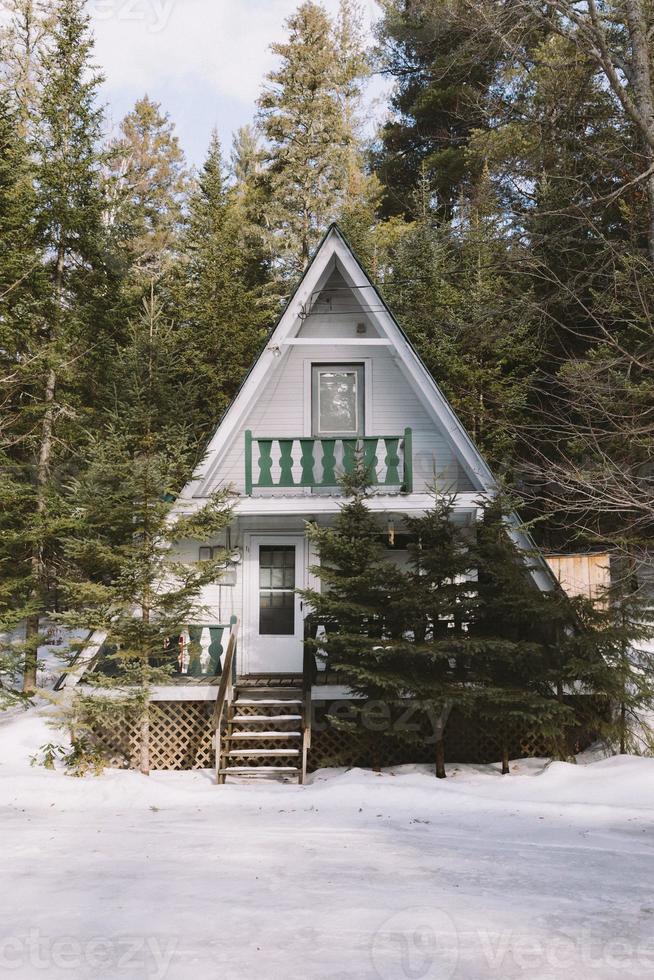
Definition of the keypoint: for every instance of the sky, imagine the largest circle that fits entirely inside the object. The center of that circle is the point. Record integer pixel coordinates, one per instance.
(203, 60)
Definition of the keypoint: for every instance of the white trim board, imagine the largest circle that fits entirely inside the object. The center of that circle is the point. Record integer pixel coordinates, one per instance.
(340, 341)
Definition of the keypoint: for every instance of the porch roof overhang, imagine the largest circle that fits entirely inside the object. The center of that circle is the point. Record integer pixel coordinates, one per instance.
(310, 505)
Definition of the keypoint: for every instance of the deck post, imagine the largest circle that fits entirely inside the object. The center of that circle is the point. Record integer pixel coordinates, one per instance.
(248, 462)
(408, 461)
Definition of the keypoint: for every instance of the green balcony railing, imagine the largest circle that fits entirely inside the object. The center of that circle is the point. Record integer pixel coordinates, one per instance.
(285, 462)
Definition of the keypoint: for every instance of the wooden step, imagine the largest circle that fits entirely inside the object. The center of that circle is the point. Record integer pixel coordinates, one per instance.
(258, 770)
(268, 719)
(251, 735)
(273, 689)
(250, 702)
(256, 753)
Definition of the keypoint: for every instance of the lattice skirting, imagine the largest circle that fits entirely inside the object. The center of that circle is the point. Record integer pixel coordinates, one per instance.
(464, 741)
(180, 735)
(181, 738)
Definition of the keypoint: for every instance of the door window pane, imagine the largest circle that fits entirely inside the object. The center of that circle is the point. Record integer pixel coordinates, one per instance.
(338, 400)
(276, 590)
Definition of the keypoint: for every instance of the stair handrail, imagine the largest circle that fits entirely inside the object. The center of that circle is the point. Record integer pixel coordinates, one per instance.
(225, 694)
(308, 678)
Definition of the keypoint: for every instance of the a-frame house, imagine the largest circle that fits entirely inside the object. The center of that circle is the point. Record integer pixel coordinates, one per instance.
(336, 374)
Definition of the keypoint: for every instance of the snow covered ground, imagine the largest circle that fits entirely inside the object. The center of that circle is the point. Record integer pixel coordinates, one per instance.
(545, 874)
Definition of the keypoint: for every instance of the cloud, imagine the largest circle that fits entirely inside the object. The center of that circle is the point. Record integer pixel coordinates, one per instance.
(203, 59)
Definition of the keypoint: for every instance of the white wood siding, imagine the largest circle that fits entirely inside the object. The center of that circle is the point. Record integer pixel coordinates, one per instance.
(280, 411)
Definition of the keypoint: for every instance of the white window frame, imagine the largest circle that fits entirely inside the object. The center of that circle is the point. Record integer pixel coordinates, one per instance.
(344, 359)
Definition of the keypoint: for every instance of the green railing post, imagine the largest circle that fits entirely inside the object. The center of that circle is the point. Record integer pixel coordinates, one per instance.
(285, 463)
(248, 462)
(328, 462)
(370, 458)
(408, 461)
(306, 461)
(265, 462)
(349, 455)
(392, 461)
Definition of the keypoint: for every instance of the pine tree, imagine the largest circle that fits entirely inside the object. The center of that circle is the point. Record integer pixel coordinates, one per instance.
(129, 586)
(617, 685)
(461, 298)
(147, 183)
(219, 292)
(54, 324)
(245, 158)
(464, 626)
(22, 288)
(23, 35)
(125, 579)
(439, 608)
(360, 604)
(515, 639)
(306, 116)
(444, 61)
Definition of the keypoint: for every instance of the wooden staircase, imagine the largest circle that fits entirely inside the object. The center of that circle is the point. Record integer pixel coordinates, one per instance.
(265, 734)
(262, 729)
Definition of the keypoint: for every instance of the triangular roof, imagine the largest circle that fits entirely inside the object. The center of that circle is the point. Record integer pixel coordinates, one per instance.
(335, 253)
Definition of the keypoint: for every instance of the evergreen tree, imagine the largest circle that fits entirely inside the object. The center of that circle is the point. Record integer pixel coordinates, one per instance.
(461, 298)
(129, 586)
(515, 640)
(219, 293)
(306, 113)
(147, 183)
(245, 159)
(20, 282)
(23, 35)
(618, 685)
(360, 604)
(561, 665)
(395, 634)
(444, 63)
(439, 609)
(53, 319)
(125, 579)
(465, 626)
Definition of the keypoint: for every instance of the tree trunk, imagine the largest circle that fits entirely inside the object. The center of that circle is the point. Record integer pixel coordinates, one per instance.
(38, 568)
(643, 94)
(505, 757)
(144, 724)
(42, 475)
(623, 729)
(440, 758)
(144, 740)
(650, 197)
(31, 654)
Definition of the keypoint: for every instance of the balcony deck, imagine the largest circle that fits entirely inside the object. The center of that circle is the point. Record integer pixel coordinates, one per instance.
(285, 462)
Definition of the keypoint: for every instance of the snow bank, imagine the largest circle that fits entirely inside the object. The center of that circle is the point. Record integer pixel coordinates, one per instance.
(374, 876)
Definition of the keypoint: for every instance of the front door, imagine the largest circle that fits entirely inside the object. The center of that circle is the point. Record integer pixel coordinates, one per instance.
(274, 636)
